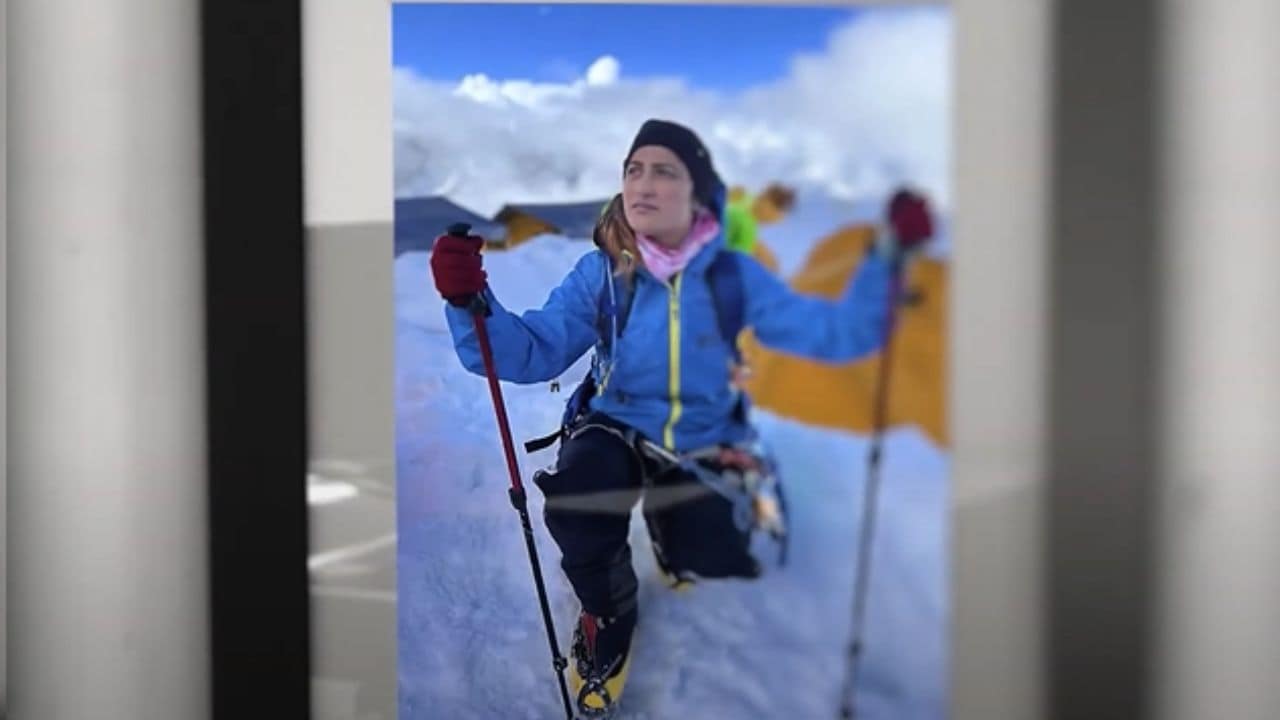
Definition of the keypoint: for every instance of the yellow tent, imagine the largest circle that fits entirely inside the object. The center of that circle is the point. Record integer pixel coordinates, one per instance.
(842, 396)
(521, 226)
(575, 219)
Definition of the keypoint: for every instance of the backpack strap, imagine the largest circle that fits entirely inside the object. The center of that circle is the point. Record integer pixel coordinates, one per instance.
(574, 408)
(609, 307)
(725, 277)
(729, 297)
(614, 303)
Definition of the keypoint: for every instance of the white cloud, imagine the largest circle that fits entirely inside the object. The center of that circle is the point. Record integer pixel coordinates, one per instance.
(870, 111)
(604, 71)
(481, 89)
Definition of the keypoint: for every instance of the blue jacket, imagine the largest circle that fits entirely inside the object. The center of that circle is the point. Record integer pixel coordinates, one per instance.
(671, 368)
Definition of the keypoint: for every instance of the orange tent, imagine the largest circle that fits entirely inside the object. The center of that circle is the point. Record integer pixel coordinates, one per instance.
(842, 395)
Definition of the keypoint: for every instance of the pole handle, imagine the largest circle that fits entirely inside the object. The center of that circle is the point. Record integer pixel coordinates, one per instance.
(476, 304)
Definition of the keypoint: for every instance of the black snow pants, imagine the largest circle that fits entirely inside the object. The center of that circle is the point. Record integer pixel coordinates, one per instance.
(597, 480)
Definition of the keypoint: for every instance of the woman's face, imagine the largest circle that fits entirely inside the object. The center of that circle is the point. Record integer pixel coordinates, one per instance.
(657, 195)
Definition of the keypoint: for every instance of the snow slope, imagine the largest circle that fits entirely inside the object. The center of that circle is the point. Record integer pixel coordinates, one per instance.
(471, 640)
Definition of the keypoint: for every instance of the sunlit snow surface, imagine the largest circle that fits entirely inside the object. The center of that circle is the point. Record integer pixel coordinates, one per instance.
(471, 639)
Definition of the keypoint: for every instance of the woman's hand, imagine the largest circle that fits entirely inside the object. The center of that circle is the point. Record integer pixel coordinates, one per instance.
(456, 267)
(910, 223)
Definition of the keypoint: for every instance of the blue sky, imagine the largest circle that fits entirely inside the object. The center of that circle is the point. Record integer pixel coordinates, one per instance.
(711, 47)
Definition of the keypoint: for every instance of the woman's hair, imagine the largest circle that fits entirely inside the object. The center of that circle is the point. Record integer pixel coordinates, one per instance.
(614, 236)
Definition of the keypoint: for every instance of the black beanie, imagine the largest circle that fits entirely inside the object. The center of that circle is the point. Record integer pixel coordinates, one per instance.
(685, 144)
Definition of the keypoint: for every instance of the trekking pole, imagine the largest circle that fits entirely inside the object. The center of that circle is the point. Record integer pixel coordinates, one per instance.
(848, 694)
(519, 500)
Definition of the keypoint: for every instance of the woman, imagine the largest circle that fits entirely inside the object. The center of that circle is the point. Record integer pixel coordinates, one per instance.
(665, 380)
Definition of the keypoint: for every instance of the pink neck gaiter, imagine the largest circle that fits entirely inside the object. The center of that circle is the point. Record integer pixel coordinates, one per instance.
(664, 262)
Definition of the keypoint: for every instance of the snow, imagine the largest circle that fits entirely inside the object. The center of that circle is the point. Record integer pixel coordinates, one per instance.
(471, 639)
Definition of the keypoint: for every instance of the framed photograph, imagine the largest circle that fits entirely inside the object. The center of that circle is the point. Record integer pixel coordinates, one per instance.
(778, 138)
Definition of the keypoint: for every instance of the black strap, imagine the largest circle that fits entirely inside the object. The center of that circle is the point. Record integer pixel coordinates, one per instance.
(542, 443)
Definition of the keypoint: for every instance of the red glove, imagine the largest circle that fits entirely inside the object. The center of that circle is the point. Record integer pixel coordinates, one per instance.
(910, 221)
(455, 265)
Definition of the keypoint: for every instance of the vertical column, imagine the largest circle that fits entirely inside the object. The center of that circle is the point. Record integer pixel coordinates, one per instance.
(998, 377)
(1218, 646)
(106, 467)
